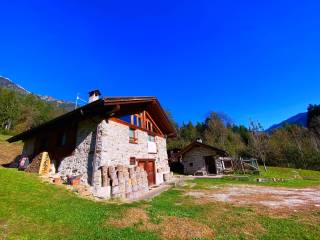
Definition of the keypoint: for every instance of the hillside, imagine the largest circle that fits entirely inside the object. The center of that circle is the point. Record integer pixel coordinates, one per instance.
(8, 152)
(299, 119)
(8, 84)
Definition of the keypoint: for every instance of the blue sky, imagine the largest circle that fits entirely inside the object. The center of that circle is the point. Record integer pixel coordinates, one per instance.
(249, 59)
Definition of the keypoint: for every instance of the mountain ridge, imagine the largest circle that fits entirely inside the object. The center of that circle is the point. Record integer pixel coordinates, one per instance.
(298, 119)
(9, 84)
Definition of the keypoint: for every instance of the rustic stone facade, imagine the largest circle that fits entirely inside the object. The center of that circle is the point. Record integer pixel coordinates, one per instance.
(101, 143)
(80, 162)
(116, 148)
(194, 160)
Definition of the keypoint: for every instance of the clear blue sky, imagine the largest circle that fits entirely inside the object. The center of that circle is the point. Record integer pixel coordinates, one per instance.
(249, 59)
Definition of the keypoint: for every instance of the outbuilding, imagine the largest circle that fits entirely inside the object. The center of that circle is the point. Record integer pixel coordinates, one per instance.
(201, 159)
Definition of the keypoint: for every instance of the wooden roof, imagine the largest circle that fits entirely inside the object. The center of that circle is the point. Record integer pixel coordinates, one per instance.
(199, 144)
(107, 107)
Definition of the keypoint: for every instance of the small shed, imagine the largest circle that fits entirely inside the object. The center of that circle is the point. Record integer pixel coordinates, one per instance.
(201, 159)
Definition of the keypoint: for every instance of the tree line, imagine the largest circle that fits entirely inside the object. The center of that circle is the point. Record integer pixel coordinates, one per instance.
(289, 146)
(19, 112)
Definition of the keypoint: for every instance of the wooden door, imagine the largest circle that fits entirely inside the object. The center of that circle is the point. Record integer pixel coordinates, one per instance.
(149, 166)
(211, 164)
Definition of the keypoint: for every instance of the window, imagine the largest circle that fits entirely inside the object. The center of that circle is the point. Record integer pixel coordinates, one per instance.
(152, 146)
(141, 120)
(151, 138)
(191, 164)
(62, 139)
(132, 161)
(137, 121)
(132, 136)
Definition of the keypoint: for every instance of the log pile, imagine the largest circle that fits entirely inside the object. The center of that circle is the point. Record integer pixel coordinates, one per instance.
(125, 182)
(35, 164)
(40, 164)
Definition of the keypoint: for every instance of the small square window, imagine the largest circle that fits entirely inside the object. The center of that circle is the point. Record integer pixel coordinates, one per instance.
(132, 136)
(131, 133)
(132, 161)
(191, 164)
(151, 138)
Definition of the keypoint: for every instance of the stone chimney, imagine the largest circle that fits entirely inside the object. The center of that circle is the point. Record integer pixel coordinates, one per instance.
(94, 95)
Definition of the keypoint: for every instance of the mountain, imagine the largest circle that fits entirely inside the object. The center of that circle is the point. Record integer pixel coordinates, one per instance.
(8, 84)
(299, 119)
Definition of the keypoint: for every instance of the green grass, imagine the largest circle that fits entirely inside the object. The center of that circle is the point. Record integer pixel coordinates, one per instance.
(31, 209)
(288, 173)
(285, 177)
(4, 137)
(36, 210)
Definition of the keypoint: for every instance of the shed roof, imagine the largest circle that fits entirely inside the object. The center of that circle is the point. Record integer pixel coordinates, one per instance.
(195, 144)
(107, 107)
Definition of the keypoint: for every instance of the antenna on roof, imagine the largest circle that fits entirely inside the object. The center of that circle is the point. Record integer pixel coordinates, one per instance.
(79, 99)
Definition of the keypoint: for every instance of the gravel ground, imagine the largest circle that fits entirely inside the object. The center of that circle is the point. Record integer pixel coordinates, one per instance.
(272, 197)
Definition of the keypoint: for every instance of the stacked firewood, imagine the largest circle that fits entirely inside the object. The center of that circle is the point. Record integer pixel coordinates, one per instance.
(35, 164)
(125, 182)
(40, 164)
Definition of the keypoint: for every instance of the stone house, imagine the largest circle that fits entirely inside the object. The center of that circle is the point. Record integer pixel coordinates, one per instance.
(106, 132)
(201, 159)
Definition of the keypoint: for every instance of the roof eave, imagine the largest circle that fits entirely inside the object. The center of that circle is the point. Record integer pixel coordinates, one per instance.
(194, 144)
(73, 114)
(95, 107)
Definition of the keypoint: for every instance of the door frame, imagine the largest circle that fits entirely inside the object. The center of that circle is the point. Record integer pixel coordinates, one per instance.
(154, 168)
(210, 160)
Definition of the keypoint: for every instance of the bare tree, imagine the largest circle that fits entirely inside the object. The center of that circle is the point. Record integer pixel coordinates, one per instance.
(259, 142)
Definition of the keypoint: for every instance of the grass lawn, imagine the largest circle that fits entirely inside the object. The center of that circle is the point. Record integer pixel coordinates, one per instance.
(3, 137)
(287, 177)
(31, 209)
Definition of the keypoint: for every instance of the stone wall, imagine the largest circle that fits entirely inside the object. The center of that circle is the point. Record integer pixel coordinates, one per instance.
(116, 148)
(194, 160)
(112, 149)
(80, 162)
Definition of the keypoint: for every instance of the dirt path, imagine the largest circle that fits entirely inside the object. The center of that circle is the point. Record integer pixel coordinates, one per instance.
(271, 197)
